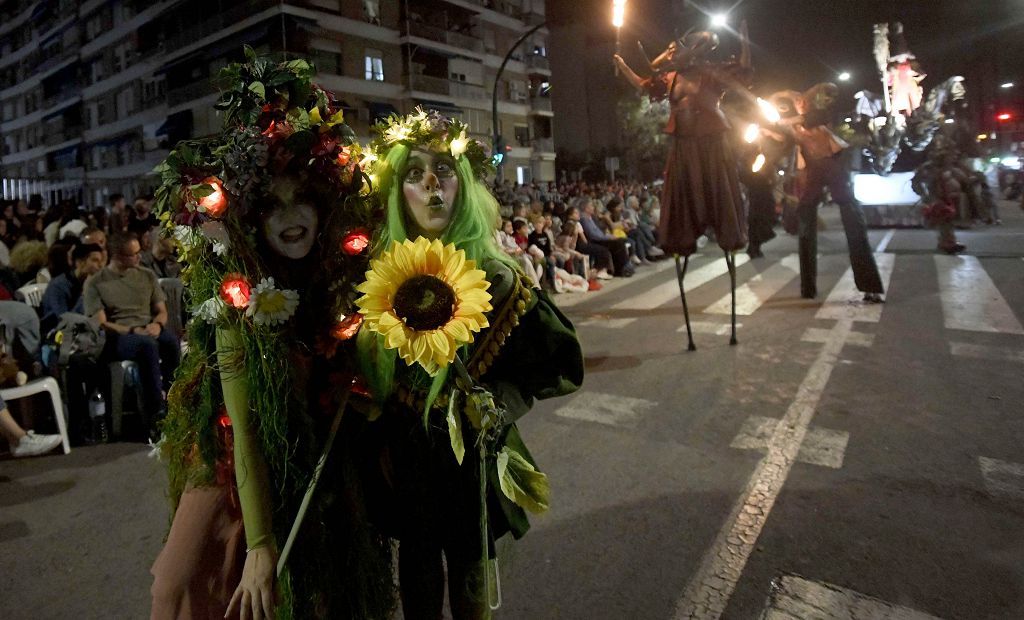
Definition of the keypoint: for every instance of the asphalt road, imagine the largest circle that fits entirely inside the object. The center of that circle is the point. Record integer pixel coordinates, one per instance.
(842, 461)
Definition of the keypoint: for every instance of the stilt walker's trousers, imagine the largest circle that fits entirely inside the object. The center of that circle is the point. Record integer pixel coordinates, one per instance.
(831, 172)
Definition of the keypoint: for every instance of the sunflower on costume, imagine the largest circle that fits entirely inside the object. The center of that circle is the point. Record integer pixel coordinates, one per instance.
(426, 300)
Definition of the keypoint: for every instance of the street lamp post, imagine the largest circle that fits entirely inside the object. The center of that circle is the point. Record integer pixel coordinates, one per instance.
(499, 176)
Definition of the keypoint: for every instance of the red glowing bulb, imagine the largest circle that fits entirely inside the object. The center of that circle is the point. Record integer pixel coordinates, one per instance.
(217, 202)
(347, 327)
(235, 290)
(355, 242)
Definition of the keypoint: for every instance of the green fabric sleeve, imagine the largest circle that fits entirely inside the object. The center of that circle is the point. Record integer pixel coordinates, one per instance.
(250, 467)
(541, 359)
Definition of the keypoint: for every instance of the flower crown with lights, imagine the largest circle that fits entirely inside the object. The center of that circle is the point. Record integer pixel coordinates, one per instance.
(278, 125)
(435, 132)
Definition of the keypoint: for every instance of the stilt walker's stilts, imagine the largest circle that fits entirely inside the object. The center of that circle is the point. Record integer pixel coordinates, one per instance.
(680, 274)
(730, 260)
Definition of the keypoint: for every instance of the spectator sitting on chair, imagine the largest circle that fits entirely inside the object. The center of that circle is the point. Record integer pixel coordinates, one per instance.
(24, 443)
(159, 257)
(130, 305)
(64, 293)
(98, 237)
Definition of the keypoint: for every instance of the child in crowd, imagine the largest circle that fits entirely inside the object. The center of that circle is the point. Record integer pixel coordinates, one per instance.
(509, 244)
(565, 246)
(534, 264)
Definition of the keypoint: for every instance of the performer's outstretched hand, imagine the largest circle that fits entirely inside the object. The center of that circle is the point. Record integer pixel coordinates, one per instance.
(626, 72)
(254, 596)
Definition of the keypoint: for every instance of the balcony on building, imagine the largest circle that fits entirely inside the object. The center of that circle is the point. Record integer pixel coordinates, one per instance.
(544, 147)
(63, 125)
(443, 26)
(541, 105)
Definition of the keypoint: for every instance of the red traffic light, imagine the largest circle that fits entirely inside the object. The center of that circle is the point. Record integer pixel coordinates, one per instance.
(1005, 116)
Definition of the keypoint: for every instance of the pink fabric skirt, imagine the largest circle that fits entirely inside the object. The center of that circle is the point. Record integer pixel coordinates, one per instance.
(201, 564)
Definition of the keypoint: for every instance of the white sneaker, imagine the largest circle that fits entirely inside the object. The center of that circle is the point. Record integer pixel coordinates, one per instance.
(32, 444)
(635, 259)
(604, 275)
(701, 242)
(655, 251)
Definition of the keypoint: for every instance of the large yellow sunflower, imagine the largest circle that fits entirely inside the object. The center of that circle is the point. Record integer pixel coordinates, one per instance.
(426, 300)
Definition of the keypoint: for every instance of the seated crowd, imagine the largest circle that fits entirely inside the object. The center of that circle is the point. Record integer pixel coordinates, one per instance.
(101, 273)
(566, 237)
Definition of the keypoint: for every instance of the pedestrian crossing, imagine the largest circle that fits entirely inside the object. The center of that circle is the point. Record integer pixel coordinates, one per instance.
(970, 300)
(968, 297)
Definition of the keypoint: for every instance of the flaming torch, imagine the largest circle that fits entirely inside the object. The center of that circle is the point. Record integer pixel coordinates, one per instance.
(618, 18)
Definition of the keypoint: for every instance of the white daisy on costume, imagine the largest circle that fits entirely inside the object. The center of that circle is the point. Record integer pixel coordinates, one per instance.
(211, 310)
(269, 305)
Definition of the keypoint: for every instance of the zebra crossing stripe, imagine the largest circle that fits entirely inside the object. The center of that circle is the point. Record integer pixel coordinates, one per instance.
(970, 300)
(669, 291)
(759, 289)
(795, 597)
(608, 409)
(845, 301)
(982, 352)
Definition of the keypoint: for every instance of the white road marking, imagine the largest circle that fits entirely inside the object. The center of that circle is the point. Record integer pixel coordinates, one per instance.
(705, 327)
(822, 446)
(669, 291)
(820, 335)
(568, 300)
(846, 301)
(609, 409)
(860, 339)
(982, 352)
(794, 597)
(752, 294)
(884, 243)
(708, 592)
(970, 300)
(606, 321)
(1002, 478)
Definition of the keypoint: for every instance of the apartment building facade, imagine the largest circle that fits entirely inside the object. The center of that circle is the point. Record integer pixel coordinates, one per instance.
(94, 93)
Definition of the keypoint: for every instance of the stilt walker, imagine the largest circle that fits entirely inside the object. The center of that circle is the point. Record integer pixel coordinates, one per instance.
(693, 203)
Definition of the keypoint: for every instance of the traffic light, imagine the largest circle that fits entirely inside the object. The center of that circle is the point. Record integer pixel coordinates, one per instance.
(499, 151)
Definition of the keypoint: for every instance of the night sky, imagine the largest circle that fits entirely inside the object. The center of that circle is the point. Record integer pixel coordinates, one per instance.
(800, 42)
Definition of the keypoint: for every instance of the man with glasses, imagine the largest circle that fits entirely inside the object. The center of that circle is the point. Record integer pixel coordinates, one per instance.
(129, 304)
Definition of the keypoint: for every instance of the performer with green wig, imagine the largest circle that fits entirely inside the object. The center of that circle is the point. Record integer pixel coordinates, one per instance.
(455, 346)
(272, 221)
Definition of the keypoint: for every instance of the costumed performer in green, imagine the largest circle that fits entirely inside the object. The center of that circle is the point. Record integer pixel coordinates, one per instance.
(272, 221)
(456, 345)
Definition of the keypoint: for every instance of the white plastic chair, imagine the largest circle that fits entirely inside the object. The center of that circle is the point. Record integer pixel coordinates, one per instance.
(45, 384)
(32, 294)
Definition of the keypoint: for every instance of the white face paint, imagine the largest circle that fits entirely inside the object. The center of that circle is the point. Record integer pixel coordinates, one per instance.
(429, 185)
(290, 230)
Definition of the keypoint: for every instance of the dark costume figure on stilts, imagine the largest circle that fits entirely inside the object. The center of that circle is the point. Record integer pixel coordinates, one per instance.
(823, 153)
(701, 178)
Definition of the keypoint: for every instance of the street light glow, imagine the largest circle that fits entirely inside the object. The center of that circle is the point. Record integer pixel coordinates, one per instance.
(844, 76)
(618, 13)
(751, 134)
(1006, 85)
(758, 163)
(769, 111)
(719, 20)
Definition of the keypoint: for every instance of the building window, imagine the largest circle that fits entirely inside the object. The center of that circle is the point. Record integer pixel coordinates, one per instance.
(523, 135)
(371, 11)
(374, 65)
(326, 62)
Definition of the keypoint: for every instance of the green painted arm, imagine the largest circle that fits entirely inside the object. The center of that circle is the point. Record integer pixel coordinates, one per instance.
(250, 467)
